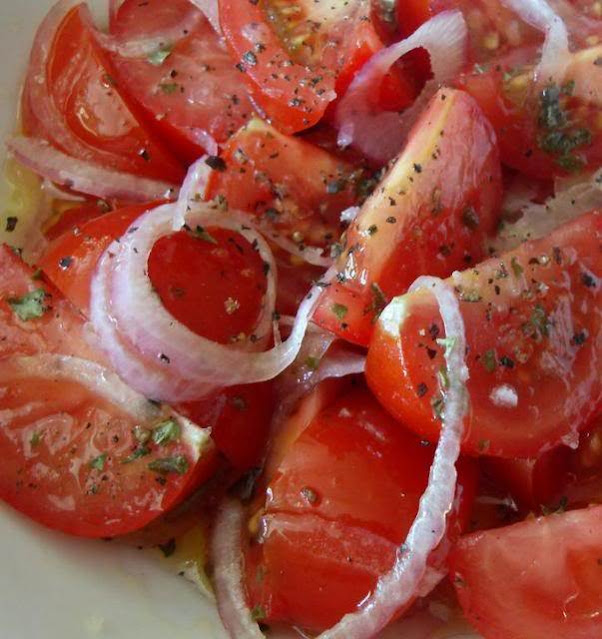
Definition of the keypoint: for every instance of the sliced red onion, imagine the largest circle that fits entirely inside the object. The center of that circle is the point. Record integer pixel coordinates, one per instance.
(401, 583)
(142, 47)
(86, 177)
(555, 54)
(157, 355)
(380, 134)
(211, 10)
(226, 553)
(193, 189)
(538, 220)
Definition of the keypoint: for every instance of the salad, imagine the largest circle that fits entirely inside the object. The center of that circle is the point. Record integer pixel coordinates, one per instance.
(323, 281)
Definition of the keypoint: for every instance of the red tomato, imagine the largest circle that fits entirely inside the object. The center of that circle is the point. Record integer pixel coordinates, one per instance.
(189, 89)
(294, 187)
(72, 218)
(542, 132)
(101, 126)
(430, 214)
(534, 338)
(71, 459)
(340, 500)
(298, 56)
(214, 287)
(194, 280)
(538, 578)
(533, 483)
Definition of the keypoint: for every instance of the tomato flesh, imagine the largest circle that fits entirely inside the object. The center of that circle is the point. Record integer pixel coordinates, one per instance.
(538, 578)
(70, 458)
(325, 529)
(533, 332)
(94, 112)
(430, 214)
(195, 91)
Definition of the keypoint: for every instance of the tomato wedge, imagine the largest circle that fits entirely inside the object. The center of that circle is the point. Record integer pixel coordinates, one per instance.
(538, 578)
(534, 337)
(294, 187)
(430, 214)
(543, 131)
(325, 530)
(82, 109)
(189, 88)
(81, 452)
(297, 57)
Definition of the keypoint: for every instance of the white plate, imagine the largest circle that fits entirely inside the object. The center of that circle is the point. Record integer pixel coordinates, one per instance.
(53, 586)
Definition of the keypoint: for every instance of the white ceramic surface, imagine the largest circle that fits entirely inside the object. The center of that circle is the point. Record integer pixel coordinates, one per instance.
(52, 586)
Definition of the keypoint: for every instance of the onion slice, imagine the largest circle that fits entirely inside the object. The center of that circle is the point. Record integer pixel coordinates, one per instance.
(227, 558)
(193, 189)
(555, 55)
(402, 582)
(161, 357)
(143, 46)
(211, 10)
(380, 134)
(86, 177)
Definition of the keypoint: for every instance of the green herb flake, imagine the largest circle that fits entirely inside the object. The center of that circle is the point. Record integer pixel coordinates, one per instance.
(489, 360)
(258, 613)
(204, 235)
(168, 548)
(443, 377)
(30, 306)
(166, 432)
(438, 404)
(484, 445)
(98, 463)
(449, 343)
(158, 57)
(169, 88)
(35, 440)
(340, 310)
(517, 269)
(313, 363)
(141, 451)
(166, 465)
(379, 300)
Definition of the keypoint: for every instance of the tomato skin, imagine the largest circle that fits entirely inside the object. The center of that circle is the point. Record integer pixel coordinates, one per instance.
(196, 91)
(293, 186)
(504, 92)
(53, 430)
(417, 220)
(326, 531)
(533, 329)
(106, 128)
(85, 245)
(537, 578)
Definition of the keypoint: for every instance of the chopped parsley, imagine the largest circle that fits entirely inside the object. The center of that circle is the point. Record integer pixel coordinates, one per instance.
(166, 432)
(158, 57)
(98, 463)
(166, 465)
(30, 306)
(340, 310)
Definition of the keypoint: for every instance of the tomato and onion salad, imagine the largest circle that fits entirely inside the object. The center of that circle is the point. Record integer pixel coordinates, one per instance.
(327, 276)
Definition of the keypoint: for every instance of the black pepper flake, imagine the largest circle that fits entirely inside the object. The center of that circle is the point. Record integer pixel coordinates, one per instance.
(391, 220)
(65, 262)
(418, 168)
(145, 155)
(11, 223)
(216, 163)
(434, 331)
(507, 362)
(470, 218)
(164, 358)
(421, 389)
(431, 352)
(588, 280)
(250, 58)
(579, 338)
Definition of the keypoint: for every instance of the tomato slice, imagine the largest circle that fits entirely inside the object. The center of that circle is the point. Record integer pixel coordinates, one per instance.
(189, 89)
(298, 56)
(294, 187)
(325, 529)
(534, 337)
(73, 459)
(96, 124)
(542, 132)
(430, 214)
(538, 578)
(195, 280)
